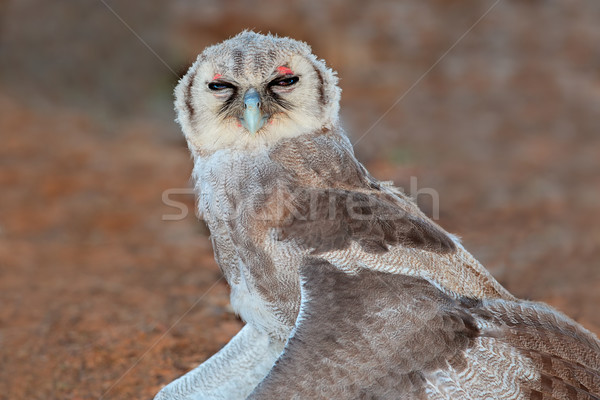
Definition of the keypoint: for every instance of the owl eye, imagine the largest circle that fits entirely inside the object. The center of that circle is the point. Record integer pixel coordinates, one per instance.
(288, 81)
(216, 86)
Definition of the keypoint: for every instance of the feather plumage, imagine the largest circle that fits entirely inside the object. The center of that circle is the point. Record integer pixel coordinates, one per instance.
(347, 288)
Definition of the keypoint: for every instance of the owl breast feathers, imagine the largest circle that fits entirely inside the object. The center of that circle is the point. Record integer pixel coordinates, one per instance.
(347, 289)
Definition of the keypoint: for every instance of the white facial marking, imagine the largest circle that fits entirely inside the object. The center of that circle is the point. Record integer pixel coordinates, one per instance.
(209, 99)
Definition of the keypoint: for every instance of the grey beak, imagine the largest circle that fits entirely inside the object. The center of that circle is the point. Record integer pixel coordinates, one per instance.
(253, 118)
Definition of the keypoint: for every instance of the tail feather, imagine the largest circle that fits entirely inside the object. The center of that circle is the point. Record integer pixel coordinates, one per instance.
(566, 355)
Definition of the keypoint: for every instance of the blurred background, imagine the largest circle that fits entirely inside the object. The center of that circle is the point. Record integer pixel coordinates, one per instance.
(103, 298)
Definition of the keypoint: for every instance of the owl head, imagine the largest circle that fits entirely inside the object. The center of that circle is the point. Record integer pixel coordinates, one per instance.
(252, 90)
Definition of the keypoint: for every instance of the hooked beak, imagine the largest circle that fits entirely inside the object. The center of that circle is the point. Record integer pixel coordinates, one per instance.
(253, 118)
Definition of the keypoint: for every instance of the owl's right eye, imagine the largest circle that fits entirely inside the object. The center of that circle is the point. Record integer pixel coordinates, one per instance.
(217, 86)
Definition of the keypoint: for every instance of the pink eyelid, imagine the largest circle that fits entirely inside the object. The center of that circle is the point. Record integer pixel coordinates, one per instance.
(285, 70)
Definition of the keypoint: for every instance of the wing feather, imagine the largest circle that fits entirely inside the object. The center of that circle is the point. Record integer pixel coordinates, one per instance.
(565, 355)
(370, 335)
(389, 336)
(331, 219)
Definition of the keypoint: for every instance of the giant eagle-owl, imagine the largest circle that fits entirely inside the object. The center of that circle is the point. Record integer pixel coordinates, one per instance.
(347, 289)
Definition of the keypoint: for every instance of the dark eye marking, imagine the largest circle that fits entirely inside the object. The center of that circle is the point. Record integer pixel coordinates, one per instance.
(217, 86)
(284, 81)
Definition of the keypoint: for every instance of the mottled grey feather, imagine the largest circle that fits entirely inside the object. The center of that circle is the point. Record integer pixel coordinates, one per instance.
(359, 336)
(330, 219)
(387, 336)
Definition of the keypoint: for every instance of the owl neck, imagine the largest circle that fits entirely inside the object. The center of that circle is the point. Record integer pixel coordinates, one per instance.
(304, 161)
(253, 146)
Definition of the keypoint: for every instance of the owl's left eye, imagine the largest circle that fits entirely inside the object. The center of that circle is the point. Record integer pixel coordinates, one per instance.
(287, 81)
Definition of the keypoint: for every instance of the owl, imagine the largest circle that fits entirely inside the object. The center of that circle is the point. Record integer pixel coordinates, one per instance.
(347, 290)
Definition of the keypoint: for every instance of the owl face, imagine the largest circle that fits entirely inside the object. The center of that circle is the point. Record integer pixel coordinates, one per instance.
(252, 90)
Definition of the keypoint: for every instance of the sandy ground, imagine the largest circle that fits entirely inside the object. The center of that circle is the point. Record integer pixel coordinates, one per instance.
(103, 298)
